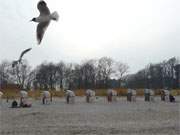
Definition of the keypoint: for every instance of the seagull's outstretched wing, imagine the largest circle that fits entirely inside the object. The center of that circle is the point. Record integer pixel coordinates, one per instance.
(41, 28)
(42, 7)
(25, 51)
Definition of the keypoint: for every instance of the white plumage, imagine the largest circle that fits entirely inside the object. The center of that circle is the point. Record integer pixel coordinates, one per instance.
(43, 19)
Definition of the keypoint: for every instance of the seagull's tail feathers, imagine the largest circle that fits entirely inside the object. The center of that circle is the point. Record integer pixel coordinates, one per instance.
(55, 16)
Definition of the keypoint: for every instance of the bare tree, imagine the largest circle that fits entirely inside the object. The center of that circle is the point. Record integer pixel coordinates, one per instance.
(158, 75)
(105, 70)
(29, 83)
(88, 74)
(46, 76)
(21, 73)
(4, 73)
(121, 69)
(61, 67)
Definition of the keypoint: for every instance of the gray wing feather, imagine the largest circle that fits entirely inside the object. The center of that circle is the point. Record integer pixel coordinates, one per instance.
(25, 51)
(43, 9)
(41, 28)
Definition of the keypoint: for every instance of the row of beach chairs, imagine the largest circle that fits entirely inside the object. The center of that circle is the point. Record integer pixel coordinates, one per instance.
(91, 96)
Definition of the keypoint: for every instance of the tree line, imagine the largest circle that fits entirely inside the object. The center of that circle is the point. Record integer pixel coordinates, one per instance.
(93, 73)
(90, 74)
(165, 74)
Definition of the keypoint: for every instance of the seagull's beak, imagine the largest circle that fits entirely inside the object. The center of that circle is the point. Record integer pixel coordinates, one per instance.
(32, 20)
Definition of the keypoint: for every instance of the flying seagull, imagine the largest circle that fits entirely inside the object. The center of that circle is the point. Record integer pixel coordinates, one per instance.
(43, 19)
(15, 62)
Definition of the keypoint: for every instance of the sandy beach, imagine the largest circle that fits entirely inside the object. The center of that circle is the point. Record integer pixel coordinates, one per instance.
(98, 118)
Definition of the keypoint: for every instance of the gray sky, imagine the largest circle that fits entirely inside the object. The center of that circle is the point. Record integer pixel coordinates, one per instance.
(135, 32)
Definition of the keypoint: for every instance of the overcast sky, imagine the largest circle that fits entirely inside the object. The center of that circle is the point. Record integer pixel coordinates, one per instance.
(135, 32)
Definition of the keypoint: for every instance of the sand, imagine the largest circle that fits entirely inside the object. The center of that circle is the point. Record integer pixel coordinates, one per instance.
(98, 118)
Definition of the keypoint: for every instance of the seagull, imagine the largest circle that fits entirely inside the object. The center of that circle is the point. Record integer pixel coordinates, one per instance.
(43, 19)
(15, 62)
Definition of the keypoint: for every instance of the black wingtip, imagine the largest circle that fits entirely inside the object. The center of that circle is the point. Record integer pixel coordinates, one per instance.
(39, 39)
(42, 3)
(38, 42)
